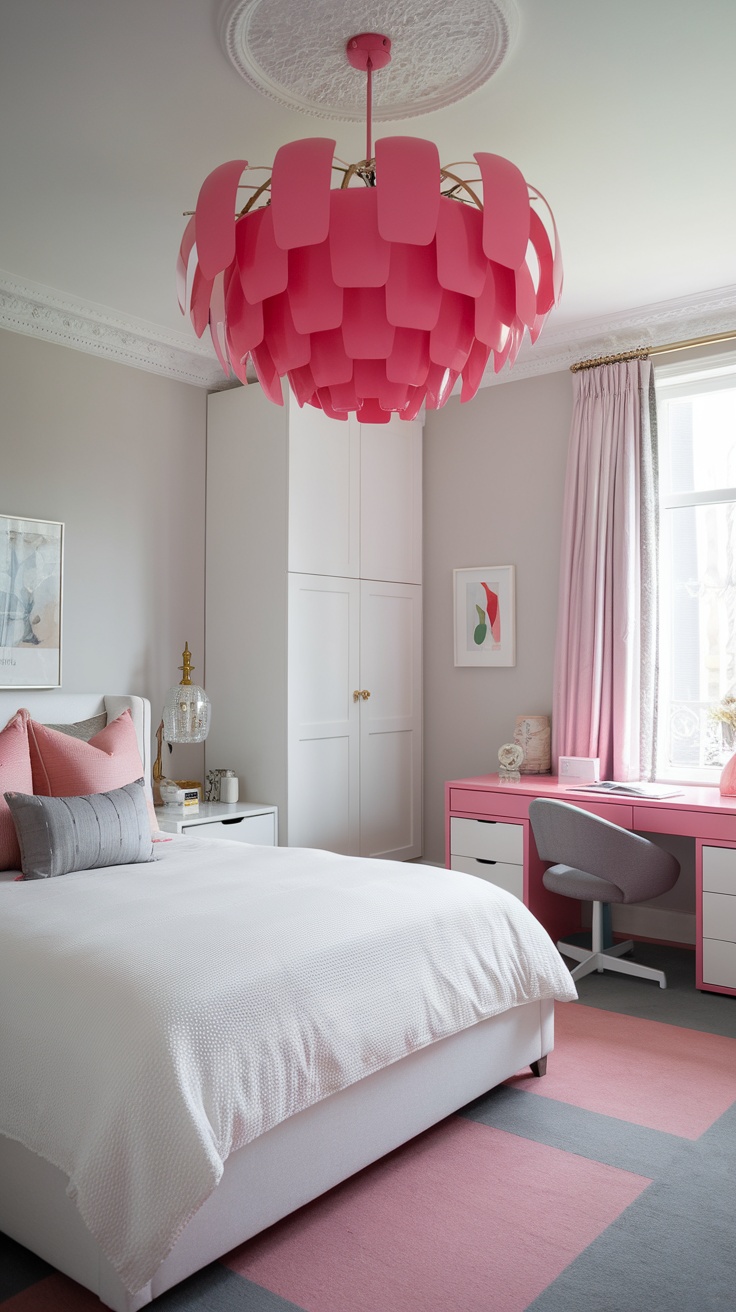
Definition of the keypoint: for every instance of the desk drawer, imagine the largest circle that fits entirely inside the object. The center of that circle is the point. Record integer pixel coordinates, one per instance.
(719, 916)
(490, 839)
(619, 813)
(486, 801)
(500, 873)
(719, 963)
(719, 869)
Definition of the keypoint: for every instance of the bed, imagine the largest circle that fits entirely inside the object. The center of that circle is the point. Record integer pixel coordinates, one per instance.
(178, 1156)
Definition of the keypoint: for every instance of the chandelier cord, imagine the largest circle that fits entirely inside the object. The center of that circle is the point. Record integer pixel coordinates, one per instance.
(369, 112)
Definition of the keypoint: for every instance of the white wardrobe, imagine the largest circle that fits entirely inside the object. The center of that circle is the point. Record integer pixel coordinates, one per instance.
(314, 620)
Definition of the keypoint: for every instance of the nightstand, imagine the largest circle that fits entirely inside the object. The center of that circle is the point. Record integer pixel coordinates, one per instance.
(245, 822)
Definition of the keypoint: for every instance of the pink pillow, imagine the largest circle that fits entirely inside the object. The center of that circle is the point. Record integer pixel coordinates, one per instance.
(69, 767)
(15, 777)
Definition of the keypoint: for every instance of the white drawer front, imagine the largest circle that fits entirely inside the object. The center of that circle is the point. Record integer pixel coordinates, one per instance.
(719, 963)
(719, 869)
(510, 877)
(719, 916)
(243, 829)
(493, 840)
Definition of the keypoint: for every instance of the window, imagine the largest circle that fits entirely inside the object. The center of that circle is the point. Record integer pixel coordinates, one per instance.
(697, 636)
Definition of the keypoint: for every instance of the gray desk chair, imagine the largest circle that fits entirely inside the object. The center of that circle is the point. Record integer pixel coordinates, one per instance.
(600, 863)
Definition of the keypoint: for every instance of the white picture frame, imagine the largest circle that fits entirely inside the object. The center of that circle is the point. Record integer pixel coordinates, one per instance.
(485, 615)
(31, 572)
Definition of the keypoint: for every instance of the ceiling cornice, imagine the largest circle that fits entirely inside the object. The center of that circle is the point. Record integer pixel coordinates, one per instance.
(39, 311)
(702, 315)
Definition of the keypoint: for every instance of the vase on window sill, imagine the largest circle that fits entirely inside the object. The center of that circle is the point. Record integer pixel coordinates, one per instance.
(727, 783)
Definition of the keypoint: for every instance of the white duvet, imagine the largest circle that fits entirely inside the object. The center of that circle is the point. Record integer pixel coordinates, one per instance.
(154, 1018)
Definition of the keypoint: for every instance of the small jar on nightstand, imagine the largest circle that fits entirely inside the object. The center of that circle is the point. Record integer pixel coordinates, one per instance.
(228, 787)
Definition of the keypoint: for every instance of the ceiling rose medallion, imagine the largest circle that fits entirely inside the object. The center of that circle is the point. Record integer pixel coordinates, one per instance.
(377, 295)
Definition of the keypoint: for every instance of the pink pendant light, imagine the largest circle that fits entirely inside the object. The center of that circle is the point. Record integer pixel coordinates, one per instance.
(377, 295)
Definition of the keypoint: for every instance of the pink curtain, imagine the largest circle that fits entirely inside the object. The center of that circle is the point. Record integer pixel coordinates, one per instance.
(604, 699)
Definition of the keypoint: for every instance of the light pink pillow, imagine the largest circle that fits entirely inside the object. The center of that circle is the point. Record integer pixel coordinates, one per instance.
(15, 777)
(69, 767)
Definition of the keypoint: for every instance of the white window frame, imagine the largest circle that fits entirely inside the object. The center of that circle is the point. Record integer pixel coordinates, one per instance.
(715, 373)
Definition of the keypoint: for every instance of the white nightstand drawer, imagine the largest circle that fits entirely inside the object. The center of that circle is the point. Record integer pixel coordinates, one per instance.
(719, 963)
(491, 839)
(719, 869)
(510, 877)
(719, 916)
(241, 829)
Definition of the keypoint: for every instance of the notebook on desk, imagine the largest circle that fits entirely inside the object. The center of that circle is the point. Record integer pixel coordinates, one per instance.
(649, 791)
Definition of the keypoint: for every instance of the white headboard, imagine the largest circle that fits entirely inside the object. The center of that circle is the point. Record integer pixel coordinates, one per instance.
(52, 706)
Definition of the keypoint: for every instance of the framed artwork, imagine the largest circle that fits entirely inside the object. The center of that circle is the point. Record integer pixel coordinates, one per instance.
(485, 616)
(31, 566)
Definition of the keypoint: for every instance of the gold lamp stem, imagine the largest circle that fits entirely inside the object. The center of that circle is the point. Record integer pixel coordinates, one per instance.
(186, 666)
(158, 769)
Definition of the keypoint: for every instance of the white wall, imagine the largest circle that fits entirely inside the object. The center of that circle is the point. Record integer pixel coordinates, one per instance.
(494, 474)
(118, 455)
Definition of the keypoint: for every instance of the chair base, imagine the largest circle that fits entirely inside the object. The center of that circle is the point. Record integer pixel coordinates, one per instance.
(609, 959)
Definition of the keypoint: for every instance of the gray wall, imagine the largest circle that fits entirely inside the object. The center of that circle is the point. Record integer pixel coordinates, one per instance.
(494, 474)
(119, 456)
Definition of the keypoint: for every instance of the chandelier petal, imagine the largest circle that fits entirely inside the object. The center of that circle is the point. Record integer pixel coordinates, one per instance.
(452, 336)
(199, 310)
(461, 262)
(506, 210)
(217, 321)
(413, 294)
(409, 359)
(408, 187)
(214, 217)
(310, 267)
(244, 321)
(300, 192)
(290, 349)
(267, 373)
(526, 296)
(330, 362)
(366, 331)
(360, 256)
(182, 265)
(263, 266)
(370, 412)
(474, 369)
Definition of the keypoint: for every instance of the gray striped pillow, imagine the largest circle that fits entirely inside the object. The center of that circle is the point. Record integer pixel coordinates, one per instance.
(57, 835)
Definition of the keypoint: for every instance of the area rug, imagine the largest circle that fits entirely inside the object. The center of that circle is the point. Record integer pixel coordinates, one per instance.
(609, 1185)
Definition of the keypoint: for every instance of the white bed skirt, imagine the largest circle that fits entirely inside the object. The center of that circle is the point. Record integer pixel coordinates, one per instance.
(293, 1163)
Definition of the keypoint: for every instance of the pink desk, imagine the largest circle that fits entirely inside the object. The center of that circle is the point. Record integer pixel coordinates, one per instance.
(487, 833)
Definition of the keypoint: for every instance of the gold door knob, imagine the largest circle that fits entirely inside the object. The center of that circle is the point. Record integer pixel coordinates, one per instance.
(356, 696)
(365, 694)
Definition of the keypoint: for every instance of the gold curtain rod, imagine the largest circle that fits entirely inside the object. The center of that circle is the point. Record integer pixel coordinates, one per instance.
(641, 352)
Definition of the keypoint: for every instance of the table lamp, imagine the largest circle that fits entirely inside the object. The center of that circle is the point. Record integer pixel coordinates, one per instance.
(186, 718)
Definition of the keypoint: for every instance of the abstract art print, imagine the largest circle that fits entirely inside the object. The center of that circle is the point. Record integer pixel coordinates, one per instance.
(485, 618)
(31, 560)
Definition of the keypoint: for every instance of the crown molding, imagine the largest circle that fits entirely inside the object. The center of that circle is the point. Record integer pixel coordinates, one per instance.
(702, 315)
(39, 311)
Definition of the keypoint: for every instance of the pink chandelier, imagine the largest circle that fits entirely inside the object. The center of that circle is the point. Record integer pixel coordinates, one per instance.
(377, 295)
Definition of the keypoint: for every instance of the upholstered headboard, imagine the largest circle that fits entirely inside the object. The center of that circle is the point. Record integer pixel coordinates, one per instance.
(52, 706)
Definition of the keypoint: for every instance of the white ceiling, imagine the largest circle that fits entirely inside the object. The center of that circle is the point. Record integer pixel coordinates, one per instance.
(113, 111)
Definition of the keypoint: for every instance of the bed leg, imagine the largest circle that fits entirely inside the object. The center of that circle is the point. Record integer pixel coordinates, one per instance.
(539, 1067)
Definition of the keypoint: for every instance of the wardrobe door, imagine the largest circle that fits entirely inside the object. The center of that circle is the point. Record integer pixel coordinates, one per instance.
(391, 501)
(390, 720)
(324, 493)
(323, 716)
